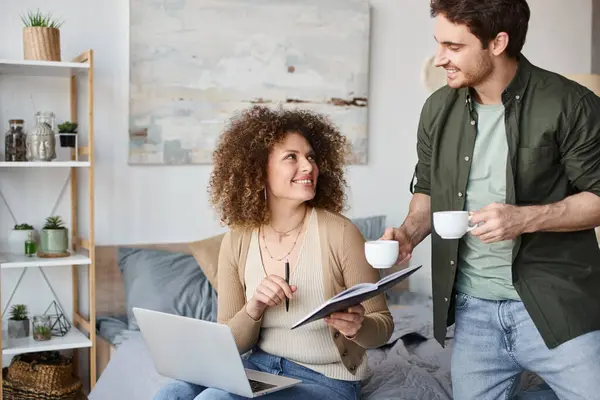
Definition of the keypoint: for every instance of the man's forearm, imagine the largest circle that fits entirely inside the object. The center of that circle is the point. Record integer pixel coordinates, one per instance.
(417, 224)
(577, 212)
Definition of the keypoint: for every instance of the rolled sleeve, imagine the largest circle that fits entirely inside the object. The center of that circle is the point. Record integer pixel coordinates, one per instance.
(580, 145)
(422, 172)
(232, 300)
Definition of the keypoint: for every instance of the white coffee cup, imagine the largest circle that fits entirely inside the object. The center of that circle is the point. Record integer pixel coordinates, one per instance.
(451, 224)
(382, 254)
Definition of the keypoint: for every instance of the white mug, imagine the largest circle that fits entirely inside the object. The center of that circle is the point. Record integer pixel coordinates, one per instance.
(452, 224)
(382, 254)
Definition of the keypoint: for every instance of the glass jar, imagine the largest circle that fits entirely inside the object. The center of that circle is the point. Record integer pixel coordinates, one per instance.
(41, 141)
(42, 329)
(15, 141)
(46, 117)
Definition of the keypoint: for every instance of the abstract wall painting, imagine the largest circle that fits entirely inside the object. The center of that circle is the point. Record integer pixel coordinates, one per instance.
(194, 63)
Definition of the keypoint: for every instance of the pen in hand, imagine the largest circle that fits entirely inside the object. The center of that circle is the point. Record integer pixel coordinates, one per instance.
(287, 280)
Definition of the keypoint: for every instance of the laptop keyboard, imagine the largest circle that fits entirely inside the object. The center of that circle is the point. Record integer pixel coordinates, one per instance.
(258, 386)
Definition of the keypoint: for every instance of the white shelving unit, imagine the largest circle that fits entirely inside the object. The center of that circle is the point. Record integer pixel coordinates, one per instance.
(74, 339)
(43, 68)
(23, 261)
(82, 334)
(43, 164)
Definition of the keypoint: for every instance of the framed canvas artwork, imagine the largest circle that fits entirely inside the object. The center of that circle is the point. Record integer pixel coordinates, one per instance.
(194, 63)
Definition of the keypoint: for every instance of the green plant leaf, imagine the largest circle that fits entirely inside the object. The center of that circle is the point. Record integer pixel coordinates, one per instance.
(54, 222)
(67, 127)
(23, 227)
(37, 19)
(18, 312)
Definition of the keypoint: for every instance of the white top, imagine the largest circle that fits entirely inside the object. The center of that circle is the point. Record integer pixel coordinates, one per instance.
(310, 345)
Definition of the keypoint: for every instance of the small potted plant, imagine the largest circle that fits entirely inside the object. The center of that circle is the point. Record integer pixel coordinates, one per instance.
(18, 323)
(54, 237)
(67, 131)
(41, 36)
(41, 328)
(18, 236)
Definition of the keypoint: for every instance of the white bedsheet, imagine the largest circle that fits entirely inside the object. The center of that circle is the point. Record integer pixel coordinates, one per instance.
(412, 366)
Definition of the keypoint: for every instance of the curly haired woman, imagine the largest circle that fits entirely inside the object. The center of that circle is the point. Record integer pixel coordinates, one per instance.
(278, 183)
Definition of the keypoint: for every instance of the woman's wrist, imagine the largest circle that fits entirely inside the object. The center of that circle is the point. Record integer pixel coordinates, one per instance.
(253, 310)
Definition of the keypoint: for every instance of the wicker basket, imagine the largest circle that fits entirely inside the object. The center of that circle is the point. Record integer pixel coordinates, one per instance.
(46, 375)
(41, 43)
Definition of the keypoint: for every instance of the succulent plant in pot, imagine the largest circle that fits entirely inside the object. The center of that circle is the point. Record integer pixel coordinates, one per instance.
(17, 237)
(18, 323)
(67, 131)
(42, 330)
(54, 237)
(41, 36)
(42, 333)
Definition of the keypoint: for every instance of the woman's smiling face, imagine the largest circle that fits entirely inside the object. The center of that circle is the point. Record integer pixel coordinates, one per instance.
(292, 171)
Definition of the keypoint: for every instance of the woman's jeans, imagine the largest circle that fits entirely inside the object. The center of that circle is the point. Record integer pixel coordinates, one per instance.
(314, 385)
(494, 341)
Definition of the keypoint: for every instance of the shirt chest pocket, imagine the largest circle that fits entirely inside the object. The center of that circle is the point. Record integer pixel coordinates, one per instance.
(537, 171)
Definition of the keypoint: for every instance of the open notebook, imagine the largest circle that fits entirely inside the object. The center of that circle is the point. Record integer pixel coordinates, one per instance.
(356, 295)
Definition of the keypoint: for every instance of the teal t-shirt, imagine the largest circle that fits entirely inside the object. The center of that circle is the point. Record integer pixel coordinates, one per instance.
(484, 270)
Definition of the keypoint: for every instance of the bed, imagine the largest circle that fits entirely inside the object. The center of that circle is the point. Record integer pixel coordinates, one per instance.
(412, 365)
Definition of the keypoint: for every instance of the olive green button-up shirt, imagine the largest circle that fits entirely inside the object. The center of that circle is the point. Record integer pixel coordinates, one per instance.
(553, 133)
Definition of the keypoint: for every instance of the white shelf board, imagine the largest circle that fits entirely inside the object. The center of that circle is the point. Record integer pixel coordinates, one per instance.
(41, 68)
(44, 164)
(8, 260)
(74, 339)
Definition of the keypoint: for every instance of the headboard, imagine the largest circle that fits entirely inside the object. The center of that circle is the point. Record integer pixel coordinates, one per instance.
(110, 291)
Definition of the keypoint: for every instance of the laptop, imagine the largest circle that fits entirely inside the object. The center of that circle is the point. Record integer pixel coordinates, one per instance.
(203, 353)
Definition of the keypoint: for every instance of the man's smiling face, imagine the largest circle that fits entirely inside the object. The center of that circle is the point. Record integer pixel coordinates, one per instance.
(461, 54)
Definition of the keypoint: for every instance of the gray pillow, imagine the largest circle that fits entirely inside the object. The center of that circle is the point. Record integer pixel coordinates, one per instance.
(167, 282)
(372, 227)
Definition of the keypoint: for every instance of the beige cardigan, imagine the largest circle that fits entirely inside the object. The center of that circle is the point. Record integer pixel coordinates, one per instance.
(344, 265)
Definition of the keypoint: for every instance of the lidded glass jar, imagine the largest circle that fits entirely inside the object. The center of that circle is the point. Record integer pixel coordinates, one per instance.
(15, 144)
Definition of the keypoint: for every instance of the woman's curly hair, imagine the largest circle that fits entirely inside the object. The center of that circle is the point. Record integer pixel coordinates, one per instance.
(240, 162)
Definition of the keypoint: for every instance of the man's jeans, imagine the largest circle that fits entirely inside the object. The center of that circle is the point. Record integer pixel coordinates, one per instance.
(494, 341)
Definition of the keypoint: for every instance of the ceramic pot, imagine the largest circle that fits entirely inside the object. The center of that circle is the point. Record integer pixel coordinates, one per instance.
(18, 329)
(54, 241)
(16, 240)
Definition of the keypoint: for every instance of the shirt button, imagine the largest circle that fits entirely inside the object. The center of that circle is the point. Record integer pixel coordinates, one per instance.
(345, 353)
(446, 299)
(460, 194)
(467, 158)
(352, 368)
(517, 97)
(451, 262)
(473, 122)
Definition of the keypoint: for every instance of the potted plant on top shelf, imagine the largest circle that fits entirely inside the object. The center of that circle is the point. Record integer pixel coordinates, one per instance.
(67, 131)
(41, 36)
(54, 237)
(17, 237)
(18, 323)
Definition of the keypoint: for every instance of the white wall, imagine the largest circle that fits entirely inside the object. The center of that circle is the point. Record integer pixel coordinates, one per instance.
(154, 204)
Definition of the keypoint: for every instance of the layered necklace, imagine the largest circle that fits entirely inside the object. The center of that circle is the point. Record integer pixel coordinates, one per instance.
(282, 234)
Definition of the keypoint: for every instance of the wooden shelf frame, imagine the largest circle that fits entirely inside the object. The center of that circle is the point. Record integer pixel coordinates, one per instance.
(83, 335)
(78, 320)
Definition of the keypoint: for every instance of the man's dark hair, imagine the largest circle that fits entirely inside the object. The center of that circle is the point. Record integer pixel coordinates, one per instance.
(486, 18)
